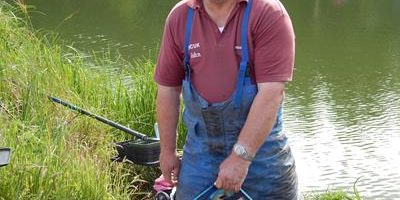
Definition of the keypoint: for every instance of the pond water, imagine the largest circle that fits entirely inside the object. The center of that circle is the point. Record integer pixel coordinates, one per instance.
(342, 110)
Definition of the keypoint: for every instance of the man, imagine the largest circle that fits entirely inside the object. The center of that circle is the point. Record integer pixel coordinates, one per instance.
(230, 59)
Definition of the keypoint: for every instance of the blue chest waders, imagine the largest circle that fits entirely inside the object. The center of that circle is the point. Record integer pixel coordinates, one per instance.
(213, 129)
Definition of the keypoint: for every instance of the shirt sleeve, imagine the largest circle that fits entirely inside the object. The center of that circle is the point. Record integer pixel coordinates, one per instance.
(169, 68)
(274, 50)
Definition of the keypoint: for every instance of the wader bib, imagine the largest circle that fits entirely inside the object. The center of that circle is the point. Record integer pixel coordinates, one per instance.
(213, 129)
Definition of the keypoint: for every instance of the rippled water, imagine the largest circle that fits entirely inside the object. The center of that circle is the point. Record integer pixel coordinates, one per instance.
(342, 110)
(331, 150)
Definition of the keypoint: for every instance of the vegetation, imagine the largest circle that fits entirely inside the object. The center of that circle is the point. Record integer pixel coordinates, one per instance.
(335, 195)
(56, 153)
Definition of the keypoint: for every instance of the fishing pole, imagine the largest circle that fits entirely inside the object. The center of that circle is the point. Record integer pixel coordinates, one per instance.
(100, 118)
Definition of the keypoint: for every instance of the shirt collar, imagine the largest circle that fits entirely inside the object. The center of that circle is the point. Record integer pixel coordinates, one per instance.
(196, 4)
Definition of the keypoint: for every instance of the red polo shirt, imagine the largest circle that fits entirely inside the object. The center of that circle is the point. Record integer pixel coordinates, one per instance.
(215, 56)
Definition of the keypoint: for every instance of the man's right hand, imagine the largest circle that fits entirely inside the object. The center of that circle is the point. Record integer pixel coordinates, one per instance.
(169, 164)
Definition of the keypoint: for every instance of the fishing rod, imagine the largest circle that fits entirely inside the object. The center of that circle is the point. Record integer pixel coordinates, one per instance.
(99, 118)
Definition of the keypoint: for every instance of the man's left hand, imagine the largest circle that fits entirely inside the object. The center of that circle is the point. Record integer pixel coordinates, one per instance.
(232, 173)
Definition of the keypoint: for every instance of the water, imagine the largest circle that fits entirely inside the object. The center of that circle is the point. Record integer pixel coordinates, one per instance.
(132, 28)
(343, 107)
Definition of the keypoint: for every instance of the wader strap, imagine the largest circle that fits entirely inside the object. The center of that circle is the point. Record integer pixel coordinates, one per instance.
(188, 31)
(245, 55)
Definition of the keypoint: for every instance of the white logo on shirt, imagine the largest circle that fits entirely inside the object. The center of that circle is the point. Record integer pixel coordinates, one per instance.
(194, 46)
(194, 54)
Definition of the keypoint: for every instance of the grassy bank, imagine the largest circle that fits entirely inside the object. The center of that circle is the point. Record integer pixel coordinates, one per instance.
(57, 154)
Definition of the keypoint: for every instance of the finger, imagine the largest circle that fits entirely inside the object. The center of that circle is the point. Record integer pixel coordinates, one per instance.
(234, 185)
(227, 185)
(174, 177)
(230, 187)
(167, 175)
(175, 171)
(237, 188)
(218, 183)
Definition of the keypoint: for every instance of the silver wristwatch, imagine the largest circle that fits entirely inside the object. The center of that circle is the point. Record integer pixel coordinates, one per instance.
(239, 150)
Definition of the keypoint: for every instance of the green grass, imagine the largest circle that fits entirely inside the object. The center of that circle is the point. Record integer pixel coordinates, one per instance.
(332, 195)
(58, 154)
(335, 194)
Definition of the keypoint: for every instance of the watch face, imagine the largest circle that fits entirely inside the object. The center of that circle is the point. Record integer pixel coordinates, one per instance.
(240, 150)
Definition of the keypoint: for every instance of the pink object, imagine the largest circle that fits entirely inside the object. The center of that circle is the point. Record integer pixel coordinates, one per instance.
(160, 184)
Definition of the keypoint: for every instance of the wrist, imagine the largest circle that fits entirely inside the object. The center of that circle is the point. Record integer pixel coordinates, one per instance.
(168, 151)
(167, 146)
(239, 160)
